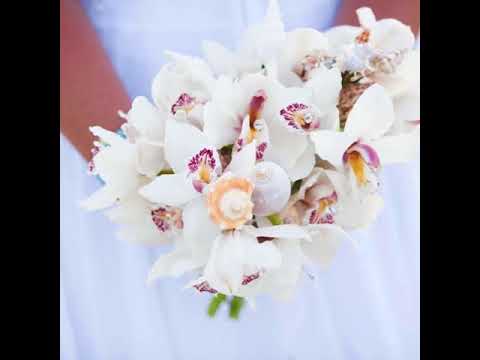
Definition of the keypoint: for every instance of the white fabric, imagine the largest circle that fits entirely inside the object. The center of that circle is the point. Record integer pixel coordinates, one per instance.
(366, 306)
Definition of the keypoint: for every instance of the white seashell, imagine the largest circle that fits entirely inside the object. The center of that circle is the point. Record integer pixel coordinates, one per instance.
(272, 189)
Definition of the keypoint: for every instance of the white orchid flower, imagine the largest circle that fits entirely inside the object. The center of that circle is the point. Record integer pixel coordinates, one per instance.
(374, 46)
(320, 248)
(237, 113)
(195, 164)
(145, 127)
(352, 209)
(282, 281)
(267, 260)
(257, 50)
(182, 87)
(239, 258)
(298, 113)
(326, 197)
(143, 222)
(115, 162)
(305, 51)
(404, 87)
(363, 145)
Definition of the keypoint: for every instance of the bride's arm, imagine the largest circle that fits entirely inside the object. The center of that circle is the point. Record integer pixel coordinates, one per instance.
(407, 11)
(90, 91)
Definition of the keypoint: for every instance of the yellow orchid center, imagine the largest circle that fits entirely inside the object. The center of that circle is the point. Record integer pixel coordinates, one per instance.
(204, 174)
(357, 164)
(203, 168)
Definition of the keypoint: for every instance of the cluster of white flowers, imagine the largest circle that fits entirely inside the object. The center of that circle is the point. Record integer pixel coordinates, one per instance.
(257, 161)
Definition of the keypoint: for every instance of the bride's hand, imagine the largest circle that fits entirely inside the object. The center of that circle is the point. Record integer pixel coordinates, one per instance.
(90, 91)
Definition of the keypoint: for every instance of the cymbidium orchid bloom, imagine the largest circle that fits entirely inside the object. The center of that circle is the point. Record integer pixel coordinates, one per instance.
(236, 115)
(143, 222)
(299, 113)
(305, 52)
(194, 161)
(239, 258)
(404, 87)
(363, 146)
(145, 127)
(295, 246)
(115, 162)
(326, 197)
(375, 46)
(319, 247)
(256, 52)
(182, 87)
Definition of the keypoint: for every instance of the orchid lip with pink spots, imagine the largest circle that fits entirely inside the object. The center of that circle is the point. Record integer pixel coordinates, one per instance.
(300, 117)
(184, 102)
(203, 168)
(167, 219)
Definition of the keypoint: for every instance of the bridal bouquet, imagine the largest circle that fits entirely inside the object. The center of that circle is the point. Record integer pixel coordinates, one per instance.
(255, 162)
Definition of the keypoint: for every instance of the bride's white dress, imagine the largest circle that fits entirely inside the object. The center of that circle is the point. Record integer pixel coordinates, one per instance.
(366, 306)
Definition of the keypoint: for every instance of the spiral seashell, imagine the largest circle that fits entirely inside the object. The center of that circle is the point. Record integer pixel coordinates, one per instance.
(272, 188)
(229, 202)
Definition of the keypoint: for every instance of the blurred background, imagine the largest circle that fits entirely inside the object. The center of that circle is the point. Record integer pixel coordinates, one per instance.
(365, 306)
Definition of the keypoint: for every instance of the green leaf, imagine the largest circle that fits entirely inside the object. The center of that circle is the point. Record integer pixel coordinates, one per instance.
(296, 186)
(215, 303)
(275, 219)
(166, 172)
(236, 305)
(227, 149)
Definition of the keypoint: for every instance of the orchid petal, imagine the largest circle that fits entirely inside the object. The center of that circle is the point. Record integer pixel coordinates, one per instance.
(325, 85)
(173, 190)
(219, 58)
(243, 162)
(147, 119)
(100, 199)
(150, 158)
(199, 231)
(331, 146)
(326, 240)
(181, 143)
(342, 36)
(366, 17)
(372, 115)
(109, 137)
(391, 35)
(304, 165)
(173, 264)
(398, 148)
(282, 281)
(279, 152)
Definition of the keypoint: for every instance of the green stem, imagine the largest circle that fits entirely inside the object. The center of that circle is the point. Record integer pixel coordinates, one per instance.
(236, 304)
(215, 303)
